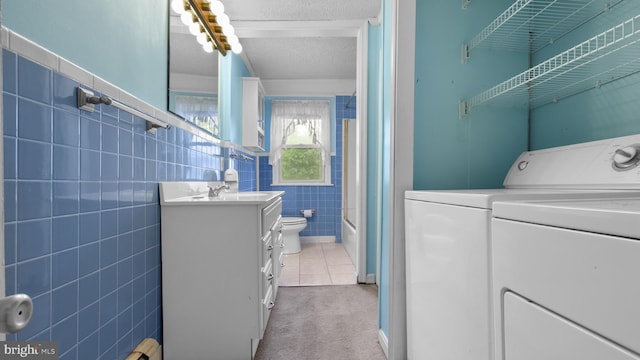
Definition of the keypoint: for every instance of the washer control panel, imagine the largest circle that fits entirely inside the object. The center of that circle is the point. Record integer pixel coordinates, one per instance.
(604, 164)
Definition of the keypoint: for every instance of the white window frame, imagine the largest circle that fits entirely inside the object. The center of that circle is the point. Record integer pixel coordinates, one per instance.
(326, 173)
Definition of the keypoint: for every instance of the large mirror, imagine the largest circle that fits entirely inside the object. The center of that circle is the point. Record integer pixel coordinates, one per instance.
(193, 79)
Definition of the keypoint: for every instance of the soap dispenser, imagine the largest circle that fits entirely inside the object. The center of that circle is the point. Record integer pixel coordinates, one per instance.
(231, 179)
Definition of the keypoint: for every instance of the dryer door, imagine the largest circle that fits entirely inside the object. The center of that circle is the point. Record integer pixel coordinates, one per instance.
(532, 332)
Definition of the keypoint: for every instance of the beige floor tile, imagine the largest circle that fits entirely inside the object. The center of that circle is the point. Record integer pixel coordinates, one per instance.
(341, 269)
(330, 245)
(318, 264)
(315, 279)
(311, 253)
(338, 260)
(290, 270)
(289, 279)
(292, 261)
(313, 267)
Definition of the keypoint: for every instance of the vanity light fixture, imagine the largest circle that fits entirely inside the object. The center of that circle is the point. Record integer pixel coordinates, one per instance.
(208, 22)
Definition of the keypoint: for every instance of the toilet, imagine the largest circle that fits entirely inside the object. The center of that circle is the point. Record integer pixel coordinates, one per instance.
(291, 228)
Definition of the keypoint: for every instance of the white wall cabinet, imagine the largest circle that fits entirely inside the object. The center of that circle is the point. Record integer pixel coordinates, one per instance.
(219, 278)
(253, 114)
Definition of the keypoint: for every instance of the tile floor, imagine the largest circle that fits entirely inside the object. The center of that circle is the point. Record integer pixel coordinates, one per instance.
(318, 264)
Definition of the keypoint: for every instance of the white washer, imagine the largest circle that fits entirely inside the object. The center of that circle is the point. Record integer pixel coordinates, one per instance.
(567, 279)
(448, 245)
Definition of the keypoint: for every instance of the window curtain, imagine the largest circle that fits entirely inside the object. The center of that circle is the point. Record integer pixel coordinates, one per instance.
(286, 114)
(199, 110)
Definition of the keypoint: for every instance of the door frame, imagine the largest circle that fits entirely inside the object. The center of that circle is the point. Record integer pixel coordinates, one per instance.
(2, 262)
(361, 149)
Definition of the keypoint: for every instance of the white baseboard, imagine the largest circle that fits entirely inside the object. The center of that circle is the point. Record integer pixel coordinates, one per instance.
(317, 239)
(384, 342)
(371, 279)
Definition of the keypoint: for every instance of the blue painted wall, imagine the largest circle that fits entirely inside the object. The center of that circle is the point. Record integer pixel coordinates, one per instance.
(121, 41)
(231, 71)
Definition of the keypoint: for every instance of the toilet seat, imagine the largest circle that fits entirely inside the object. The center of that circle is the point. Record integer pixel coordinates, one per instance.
(293, 221)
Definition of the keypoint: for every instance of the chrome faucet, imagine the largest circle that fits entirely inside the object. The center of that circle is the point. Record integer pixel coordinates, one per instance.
(215, 191)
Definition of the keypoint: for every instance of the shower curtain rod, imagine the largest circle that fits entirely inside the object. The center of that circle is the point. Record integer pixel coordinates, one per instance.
(351, 98)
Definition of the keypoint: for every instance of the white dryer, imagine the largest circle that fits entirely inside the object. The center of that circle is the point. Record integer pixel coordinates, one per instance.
(567, 279)
(448, 246)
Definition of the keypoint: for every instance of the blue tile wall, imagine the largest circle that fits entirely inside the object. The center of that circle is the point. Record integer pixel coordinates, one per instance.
(327, 200)
(246, 169)
(82, 215)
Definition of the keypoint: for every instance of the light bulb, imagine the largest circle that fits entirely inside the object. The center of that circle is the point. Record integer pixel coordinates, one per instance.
(236, 48)
(233, 39)
(222, 20)
(228, 30)
(201, 38)
(216, 7)
(187, 18)
(194, 28)
(178, 6)
(208, 47)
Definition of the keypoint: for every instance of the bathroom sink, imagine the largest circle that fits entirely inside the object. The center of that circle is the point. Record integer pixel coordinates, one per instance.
(196, 193)
(239, 196)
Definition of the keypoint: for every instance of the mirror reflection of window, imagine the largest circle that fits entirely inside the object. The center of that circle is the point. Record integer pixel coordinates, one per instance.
(201, 110)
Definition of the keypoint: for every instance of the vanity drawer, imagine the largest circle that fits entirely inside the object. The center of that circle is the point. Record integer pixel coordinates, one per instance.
(281, 262)
(270, 215)
(277, 234)
(267, 248)
(267, 275)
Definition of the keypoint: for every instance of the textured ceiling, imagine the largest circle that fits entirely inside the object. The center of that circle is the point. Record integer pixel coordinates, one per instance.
(287, 10)
(302, 58)
(294, 39)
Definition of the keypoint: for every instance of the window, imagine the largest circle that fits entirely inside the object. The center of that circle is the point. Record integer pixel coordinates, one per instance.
(301, 142)
(201, 110)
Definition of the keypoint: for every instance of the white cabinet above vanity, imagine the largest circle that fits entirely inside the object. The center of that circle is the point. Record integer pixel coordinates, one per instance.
(220, 267)
(252, 113)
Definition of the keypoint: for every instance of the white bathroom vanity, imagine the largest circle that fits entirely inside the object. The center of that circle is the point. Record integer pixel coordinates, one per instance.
(221, 259)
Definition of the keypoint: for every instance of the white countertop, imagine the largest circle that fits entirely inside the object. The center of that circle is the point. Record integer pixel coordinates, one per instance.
(239, 198)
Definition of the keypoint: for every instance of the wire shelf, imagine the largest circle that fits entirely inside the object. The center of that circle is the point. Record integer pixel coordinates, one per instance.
(585, 66)
(530, 25)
